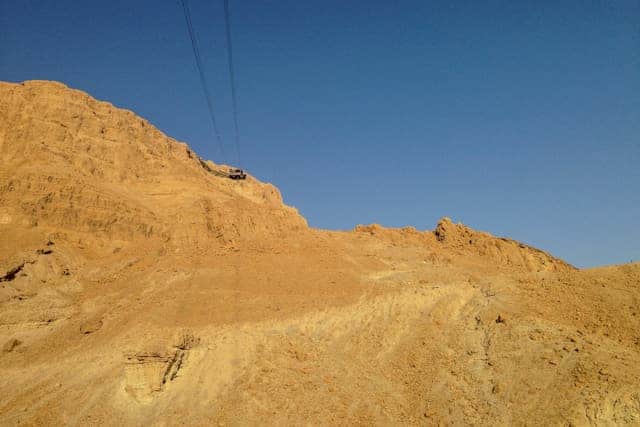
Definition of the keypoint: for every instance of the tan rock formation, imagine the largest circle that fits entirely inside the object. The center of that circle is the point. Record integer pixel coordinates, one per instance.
(140, 286)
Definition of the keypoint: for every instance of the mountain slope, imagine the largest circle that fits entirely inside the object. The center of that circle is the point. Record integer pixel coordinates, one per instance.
(85, 165)
(139, 285)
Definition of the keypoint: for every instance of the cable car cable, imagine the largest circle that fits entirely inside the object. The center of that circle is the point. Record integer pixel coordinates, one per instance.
(203, 80)
(232, 80)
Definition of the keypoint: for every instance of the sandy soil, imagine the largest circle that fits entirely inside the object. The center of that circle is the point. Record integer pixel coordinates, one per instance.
(139, 286)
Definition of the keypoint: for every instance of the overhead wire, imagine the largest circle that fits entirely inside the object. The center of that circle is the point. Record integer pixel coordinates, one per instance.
(203, 80)
(232, 80)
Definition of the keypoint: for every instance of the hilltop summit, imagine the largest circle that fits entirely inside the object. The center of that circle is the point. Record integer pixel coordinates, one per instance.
(74, 163)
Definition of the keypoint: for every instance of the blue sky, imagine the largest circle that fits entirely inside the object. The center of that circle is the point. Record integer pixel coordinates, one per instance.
(519, 118)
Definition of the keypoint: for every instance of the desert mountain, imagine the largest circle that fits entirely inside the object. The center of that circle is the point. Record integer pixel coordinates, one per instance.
(140, 285)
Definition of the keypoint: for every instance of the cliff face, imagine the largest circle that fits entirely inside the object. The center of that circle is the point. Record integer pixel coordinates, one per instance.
(78, 164)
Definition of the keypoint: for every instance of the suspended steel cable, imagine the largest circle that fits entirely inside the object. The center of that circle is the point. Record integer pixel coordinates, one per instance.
(232, 79)
(203, 80)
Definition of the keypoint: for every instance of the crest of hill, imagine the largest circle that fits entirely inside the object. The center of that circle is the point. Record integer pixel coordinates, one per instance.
(76, 163)
(73, 164)
(465, 243)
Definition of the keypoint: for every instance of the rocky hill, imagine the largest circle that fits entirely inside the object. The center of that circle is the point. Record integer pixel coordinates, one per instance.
(75, 163)
(139, 285)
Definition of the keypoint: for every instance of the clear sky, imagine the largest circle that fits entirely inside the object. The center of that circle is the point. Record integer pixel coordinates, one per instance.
(515, 117)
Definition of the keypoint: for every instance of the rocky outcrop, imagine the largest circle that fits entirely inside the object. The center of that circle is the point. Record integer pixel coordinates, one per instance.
(499, 250)
(83, 165)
